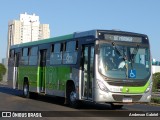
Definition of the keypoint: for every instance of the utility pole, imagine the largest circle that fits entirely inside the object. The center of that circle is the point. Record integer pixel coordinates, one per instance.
(31, 28)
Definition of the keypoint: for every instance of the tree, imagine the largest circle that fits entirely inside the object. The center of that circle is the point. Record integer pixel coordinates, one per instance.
(2, 71)
(156, 81)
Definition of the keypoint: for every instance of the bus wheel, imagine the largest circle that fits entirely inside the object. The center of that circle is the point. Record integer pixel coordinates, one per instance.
(26, 90)
(72, 96)
(113, 106)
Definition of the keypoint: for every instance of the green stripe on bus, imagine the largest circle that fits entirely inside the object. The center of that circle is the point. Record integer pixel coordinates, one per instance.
(31, 72)
(135, 90)
(55, 76)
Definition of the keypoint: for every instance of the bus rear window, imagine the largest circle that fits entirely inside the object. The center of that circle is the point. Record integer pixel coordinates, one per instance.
(11, 54)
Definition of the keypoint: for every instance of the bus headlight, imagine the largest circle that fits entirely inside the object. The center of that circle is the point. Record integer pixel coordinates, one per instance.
(102, 86)
(149, 87)
(116, 89)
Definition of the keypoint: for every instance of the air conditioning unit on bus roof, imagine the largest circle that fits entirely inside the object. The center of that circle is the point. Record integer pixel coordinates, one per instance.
(116, 29)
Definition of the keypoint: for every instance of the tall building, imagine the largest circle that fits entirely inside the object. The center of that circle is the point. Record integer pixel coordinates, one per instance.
(26, 29)
(44, 31)
(4, 61)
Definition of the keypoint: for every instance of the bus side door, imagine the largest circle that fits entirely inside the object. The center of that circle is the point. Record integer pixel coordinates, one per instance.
(87, 71)
(42, 79)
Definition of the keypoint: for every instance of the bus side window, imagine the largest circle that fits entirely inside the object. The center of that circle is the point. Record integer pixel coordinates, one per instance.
(25, 52)
(70, 55)
(76, 45)
(56, 54)
(33, 58)
(29, 51)
(62, 46)
(71, 46)
(57, 48)
(11, 54)
(52, 48)
(24, 57)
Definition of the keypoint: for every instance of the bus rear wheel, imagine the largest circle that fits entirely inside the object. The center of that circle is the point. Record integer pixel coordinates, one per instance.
(26, 90)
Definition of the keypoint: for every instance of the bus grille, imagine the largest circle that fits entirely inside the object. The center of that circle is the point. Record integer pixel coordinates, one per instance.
(120, 97)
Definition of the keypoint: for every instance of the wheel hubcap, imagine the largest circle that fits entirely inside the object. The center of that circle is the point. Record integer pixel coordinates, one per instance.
(73, 96)
(25, 90)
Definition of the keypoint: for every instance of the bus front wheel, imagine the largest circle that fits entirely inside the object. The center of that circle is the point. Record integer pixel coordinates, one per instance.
(113, 106)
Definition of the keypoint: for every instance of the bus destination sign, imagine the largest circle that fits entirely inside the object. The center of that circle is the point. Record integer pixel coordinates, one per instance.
(122, 38)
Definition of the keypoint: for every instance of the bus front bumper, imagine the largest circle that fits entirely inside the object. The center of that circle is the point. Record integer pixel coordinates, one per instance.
(103, 96)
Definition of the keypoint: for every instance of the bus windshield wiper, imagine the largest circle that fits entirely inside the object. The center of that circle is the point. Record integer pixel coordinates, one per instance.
(119, 52)
(123, 56)
(134, 53)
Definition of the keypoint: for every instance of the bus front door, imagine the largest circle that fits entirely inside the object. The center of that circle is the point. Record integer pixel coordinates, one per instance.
(42, 70)
(87, 71)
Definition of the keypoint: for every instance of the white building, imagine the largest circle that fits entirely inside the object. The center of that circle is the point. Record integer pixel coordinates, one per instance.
(155, 66)
(26, 29)
(4, 62)
(29, 27)
(155, 69)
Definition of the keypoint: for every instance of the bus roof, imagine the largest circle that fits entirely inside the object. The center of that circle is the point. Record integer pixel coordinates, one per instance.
(55, 39)
(70, 36)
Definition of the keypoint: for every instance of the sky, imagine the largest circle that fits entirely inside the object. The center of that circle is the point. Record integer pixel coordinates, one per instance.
(68, 16)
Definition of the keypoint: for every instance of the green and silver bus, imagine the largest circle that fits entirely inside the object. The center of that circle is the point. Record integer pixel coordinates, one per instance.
(102, 66)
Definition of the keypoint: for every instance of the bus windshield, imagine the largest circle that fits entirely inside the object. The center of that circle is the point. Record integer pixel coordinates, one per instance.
(124, 61)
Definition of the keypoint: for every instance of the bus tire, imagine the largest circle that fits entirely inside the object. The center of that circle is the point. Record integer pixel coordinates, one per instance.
(33, 95)
(71, 96)
(113, 106)
(26, 90)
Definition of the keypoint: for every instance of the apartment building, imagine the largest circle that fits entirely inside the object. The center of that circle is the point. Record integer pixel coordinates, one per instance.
(26, 29)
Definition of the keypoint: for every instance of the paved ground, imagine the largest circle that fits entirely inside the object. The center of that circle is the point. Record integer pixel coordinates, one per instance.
(12, 100)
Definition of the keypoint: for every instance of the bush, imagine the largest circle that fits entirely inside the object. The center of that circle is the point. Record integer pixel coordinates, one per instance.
(156, 81)
(155, 100)
(2, 71)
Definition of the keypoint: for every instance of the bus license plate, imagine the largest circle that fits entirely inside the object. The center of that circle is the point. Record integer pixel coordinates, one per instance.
(127, 99)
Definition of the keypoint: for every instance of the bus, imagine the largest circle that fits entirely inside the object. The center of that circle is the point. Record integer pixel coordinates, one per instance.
(101, 66)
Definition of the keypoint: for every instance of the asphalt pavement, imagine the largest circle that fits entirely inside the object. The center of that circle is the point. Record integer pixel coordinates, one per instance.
(12, 100)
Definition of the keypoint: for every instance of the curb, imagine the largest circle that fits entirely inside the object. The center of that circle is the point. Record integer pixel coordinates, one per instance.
(154, 104)
(3, 83)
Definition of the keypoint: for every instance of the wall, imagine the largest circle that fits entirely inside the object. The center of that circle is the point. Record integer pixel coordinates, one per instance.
(155, 69)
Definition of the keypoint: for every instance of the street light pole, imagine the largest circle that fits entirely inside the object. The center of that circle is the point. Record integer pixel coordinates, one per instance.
(31, 28)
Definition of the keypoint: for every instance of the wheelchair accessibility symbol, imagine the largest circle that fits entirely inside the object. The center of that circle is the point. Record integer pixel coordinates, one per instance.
(132, 73)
